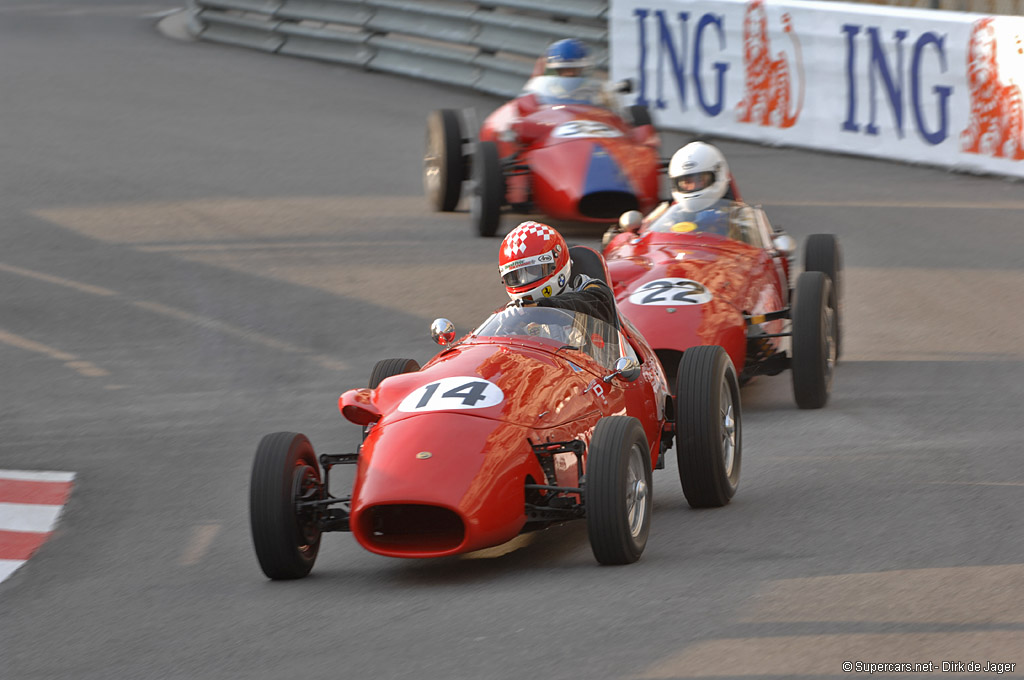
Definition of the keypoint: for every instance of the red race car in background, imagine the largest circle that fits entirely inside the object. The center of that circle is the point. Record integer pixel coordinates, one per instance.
(561, 149)
(539, 416)
(721, 276)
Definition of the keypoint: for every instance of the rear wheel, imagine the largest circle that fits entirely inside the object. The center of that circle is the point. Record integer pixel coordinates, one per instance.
(442, 162)
(285, 536)
(821, 254)
(618, 490)
(709, 442)
(488, 189)
(815, 333)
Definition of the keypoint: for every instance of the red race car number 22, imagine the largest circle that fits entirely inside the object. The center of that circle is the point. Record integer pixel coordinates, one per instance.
(673, 291)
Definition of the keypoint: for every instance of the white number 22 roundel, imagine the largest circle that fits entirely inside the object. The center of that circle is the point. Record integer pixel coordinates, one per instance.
(673, 292)
(453, 394)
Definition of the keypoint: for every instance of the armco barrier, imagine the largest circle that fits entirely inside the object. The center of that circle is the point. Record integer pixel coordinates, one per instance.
(892, 82)
(488, 46)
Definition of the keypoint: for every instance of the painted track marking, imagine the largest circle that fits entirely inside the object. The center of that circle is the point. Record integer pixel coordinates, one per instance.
(209, 323)
(30, 507)
(86, 368)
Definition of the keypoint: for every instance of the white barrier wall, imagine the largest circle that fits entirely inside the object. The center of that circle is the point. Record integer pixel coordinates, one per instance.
(913, 85)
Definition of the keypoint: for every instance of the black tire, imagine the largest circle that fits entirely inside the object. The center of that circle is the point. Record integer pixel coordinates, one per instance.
(822, 254)
(617, 495)
(639, 115)
(709, 427)
(385, 368)
(442, 160)
(285, 470)
(814, 340)
(488, 189)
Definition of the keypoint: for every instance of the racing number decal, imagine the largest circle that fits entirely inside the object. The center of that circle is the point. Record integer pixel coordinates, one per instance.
(453, 394)
(585, 128)
(671, 292)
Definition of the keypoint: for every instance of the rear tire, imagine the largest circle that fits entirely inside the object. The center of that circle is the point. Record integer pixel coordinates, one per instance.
(709, 427)
(284, 472)
(488, 189)
(814, 340)
(822, 254)
(443, 164)
(617, 495)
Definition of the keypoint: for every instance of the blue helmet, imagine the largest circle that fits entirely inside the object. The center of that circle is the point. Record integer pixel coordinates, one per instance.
(568, 53)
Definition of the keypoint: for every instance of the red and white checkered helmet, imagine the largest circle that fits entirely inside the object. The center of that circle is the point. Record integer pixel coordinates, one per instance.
(534, 262)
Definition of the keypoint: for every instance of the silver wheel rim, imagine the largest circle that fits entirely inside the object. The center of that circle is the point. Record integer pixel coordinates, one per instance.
(432, 165)
(727, 414)
(637, 495)
(830, 343)
(476, 203)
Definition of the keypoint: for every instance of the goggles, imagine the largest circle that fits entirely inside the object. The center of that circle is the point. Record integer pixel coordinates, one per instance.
(528, 270)
(697, 181)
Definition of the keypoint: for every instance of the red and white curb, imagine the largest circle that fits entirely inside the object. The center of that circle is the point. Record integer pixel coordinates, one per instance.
(30, 504)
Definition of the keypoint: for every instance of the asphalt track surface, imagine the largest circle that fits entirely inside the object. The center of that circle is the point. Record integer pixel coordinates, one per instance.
(202, 244)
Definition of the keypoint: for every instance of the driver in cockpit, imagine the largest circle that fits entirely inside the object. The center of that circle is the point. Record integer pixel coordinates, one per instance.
(702, 191)
(535, 267)
(566, 76)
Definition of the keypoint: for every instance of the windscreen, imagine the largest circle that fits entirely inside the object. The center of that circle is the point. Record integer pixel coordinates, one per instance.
(727, 218)
(562, 328)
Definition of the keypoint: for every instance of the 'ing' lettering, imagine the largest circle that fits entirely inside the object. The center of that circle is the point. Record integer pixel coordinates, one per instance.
(892, 79)
(667, 54)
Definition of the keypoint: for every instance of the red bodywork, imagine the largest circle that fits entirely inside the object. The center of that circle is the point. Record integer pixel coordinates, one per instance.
(447, 481)
(574, 175)
(742, 280)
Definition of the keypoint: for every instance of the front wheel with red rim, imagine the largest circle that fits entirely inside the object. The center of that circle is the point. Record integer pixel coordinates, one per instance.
(285, 531)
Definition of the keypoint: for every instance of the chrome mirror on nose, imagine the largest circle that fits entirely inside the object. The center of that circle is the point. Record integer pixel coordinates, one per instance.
(626, 368)
(631, 220)
(784, 243)
(442, 331)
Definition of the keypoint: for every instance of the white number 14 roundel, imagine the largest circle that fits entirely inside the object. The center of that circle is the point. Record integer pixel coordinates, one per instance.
(672, 291)
(453, 394)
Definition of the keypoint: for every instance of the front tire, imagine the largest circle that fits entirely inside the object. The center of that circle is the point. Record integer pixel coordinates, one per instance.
(284, 473)
(385, 368)
(709, 427)
(618, 490)
(822, 254)
(488, 189)
(639, 115)
(814, 340)
(443, 164)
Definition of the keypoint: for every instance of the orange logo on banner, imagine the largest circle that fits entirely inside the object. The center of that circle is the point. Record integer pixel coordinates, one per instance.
(768, 86)
(995, 125)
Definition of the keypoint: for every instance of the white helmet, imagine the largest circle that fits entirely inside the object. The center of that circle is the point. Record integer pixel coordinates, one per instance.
(699, 175)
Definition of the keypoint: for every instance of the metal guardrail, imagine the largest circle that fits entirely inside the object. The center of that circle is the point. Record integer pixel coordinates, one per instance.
(488, 46)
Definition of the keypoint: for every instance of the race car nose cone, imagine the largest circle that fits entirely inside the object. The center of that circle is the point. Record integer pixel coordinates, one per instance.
(606, 190)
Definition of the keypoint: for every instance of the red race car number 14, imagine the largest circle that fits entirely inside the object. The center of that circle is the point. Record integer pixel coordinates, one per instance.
(453, 394)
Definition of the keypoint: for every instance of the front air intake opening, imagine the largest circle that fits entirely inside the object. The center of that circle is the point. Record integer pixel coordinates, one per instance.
(412, 528)
(607, 205)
